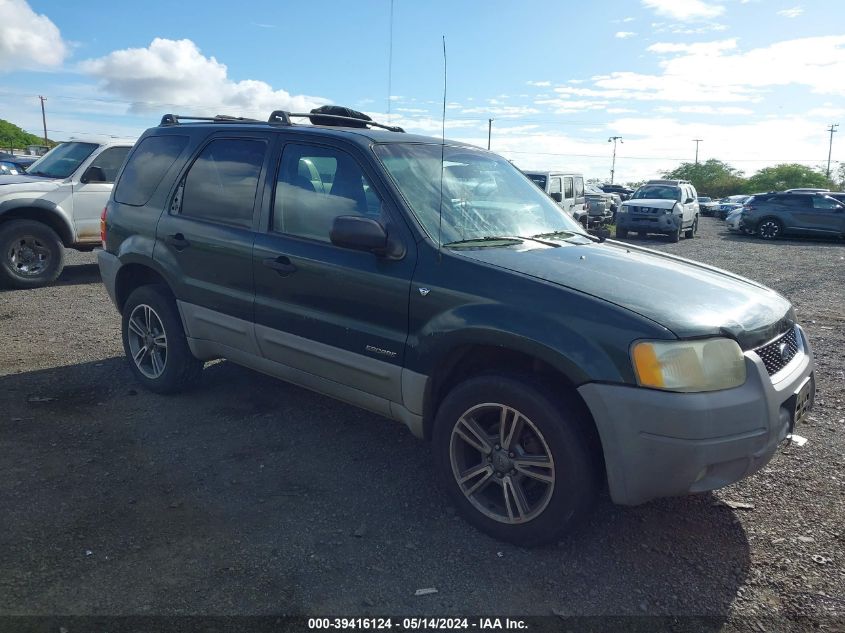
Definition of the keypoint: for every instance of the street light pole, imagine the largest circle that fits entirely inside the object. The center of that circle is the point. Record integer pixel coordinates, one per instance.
(831, 129)
(44, 118)
(613, 164)
(489, 131)
(697, 141)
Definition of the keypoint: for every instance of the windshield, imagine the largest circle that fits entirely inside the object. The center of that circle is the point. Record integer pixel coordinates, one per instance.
(62, 160)
(659, 192)
(484, 195)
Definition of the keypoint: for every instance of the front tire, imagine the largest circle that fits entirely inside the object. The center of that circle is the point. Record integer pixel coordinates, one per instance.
(31, 254)
(514, 460)
(690, 232)
(676, 235)
(155, 343)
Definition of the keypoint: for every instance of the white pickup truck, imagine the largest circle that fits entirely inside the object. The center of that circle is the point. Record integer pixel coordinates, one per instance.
(56, 204)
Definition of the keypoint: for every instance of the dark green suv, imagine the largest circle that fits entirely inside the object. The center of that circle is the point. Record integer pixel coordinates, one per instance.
(433, 283)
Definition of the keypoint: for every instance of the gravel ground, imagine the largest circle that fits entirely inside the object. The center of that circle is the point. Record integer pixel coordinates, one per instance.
(251, 496)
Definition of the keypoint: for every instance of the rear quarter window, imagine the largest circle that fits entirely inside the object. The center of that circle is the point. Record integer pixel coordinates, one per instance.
(147, 165)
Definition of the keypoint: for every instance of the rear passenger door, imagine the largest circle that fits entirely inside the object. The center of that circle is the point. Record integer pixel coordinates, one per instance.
(207, 236)
(331, 312)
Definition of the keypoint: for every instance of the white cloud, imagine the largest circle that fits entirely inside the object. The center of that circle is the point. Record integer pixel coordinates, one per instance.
(539, 84)
(28, 41)
(501, 111)
(794, 12)
(624, 34)
(685, 9)
(174, 73)
(699, 48)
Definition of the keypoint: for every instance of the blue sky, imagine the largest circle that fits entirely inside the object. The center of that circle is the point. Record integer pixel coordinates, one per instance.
(758, 80)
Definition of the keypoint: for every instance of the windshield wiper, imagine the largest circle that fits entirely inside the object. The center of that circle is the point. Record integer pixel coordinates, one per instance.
(486, 238)
(564, 235)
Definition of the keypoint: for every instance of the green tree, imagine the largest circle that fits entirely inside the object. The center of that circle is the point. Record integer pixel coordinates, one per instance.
(788, 176)
(712, 178)
(13, 137)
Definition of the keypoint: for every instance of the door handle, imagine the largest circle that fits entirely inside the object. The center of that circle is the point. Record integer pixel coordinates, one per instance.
(280, 264)
(178, 241)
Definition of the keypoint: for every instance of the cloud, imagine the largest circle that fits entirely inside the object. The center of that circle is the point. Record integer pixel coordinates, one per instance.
(539, 84)
(684, 10)
(174, 73)
(794, 12)
(28, 41)
(501, 111)
(719, 71)
(624, 34)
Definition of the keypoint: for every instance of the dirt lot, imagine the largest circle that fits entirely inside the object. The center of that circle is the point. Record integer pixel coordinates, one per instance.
(250, 496)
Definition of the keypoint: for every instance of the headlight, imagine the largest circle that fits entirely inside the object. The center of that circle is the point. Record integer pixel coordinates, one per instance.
(702, 365)
(622, 209)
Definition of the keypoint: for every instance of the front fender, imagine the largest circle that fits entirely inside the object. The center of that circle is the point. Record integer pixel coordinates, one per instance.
(45, 211)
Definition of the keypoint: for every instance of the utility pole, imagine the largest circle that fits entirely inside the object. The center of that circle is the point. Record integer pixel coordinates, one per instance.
(831, 129)
(44, 118)
(489, 131)
(697, 141)
(613, 165)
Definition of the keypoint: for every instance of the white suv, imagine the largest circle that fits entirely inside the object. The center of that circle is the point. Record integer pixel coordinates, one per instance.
(660, 206)
(57, 203)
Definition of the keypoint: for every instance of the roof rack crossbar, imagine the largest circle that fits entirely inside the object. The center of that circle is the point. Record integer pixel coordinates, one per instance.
(175, 119)
(337, 117)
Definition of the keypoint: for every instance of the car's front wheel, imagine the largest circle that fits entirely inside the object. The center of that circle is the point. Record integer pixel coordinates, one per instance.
(155, 343)
(514, 459)
(690, 232)
(31, 254)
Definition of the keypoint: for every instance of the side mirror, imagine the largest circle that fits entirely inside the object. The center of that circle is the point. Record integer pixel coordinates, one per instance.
(557, 196)
(359, 233)
(93, 174)
(689, 200)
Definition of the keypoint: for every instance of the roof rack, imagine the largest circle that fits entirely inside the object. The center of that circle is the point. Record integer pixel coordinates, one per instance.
(277, 117)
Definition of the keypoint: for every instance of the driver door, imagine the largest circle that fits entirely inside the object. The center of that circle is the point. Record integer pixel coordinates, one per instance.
(92, 186)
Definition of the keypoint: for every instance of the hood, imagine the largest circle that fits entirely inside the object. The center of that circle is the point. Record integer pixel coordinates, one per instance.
(690, 299)
(22, 178)
(656, 203)
(23, 184)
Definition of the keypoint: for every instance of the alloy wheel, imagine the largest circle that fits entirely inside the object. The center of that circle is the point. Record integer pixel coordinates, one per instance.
(147, 341)
(769, 229)
(502, 463)
(28, 256)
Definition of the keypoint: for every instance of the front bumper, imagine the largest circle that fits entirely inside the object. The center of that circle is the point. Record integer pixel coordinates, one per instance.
(648, 222)
(660, 443)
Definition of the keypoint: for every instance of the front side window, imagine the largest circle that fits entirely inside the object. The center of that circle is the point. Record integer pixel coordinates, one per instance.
(62, 160)
(222, 182)
(317, 184)
(483, 196)
(554, 187)
(796, 201)
(109, 162)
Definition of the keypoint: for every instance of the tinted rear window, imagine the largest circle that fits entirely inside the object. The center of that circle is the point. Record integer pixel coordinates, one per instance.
(146, 167)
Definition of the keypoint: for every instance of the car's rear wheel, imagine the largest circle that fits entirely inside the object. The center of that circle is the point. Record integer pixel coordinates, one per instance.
(690, 232)
(769, 229)
(31, 254)
(514, 460)
(155, 343)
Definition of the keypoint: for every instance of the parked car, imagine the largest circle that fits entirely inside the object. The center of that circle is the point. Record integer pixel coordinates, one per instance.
(729, 203)
(668, 207)
(601, 206)
(565, 188)
(55, 204)
(432, 283)
(707, 206)
(837, 195)
(623, 192)
(733, 221)
(14, 164)
(774, 215)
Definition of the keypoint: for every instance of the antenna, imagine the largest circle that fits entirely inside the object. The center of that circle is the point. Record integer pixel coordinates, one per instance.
(442, 153)
(390, 64)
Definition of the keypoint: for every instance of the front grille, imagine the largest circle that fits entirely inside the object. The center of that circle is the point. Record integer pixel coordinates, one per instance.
(777, 354)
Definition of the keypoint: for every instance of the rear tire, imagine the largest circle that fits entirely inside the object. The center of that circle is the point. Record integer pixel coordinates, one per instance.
(769, 228)
(541, 480)
(31, 254)
(155, 343)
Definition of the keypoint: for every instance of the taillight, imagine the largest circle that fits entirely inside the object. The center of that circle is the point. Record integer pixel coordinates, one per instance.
(103, 226)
